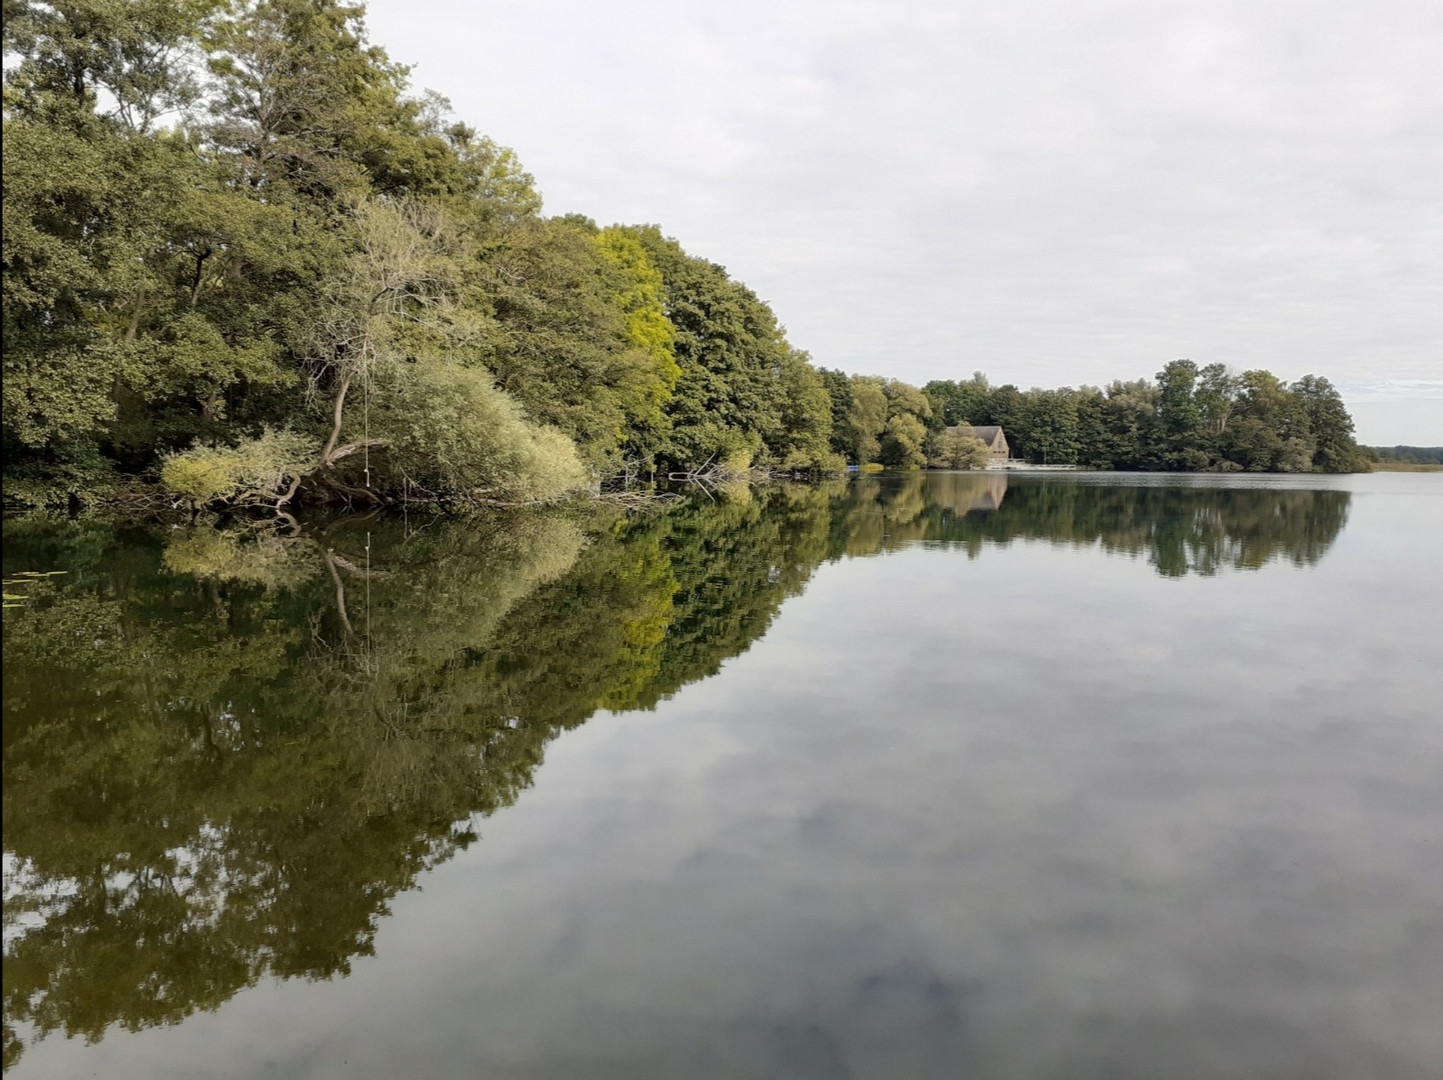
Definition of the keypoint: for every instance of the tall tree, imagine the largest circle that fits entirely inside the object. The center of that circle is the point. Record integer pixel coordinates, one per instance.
(1050, 417)
(731, 352)
(1180, 416)
(1329, 425)
(867, 418)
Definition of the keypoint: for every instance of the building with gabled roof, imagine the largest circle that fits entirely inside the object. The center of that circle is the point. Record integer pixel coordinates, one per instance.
(991, 437)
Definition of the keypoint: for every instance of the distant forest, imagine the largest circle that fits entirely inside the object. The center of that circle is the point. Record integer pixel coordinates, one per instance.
(242, 260)
(1187, 419)
(1409, 455)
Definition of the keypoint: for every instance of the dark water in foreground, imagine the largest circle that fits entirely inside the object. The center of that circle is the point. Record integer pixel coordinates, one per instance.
(926, 776)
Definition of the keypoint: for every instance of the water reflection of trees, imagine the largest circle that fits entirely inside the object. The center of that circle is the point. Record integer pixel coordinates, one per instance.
(1180, 529)
(225, 751)
(236, 749)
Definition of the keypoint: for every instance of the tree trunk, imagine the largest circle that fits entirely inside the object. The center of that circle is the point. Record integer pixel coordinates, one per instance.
(196, 283)
(337, 414)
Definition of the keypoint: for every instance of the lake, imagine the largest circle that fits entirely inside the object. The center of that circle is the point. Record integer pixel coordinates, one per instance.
(925, 775)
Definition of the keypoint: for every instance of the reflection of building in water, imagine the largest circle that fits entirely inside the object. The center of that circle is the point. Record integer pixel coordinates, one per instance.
(996, 490)
(964, 492)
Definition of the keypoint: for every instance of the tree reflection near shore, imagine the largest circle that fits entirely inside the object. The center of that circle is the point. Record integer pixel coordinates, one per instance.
(228, 748)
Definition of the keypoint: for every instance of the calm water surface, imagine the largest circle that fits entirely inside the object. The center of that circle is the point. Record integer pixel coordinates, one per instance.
(922, 776)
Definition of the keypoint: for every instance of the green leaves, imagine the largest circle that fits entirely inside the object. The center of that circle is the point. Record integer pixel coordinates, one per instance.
(1189, 419)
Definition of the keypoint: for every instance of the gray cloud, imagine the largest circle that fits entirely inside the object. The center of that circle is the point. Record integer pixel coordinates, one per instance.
(1052, 192)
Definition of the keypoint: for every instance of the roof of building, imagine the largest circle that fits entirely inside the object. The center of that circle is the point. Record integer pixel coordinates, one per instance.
(987, 434)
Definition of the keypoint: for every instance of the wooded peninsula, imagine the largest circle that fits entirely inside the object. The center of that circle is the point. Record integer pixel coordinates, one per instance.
(245, 263)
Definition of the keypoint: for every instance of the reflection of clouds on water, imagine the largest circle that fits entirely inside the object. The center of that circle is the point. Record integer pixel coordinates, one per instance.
(1104, 867)
(1038, 814)
(1144, 651)
(941, 852)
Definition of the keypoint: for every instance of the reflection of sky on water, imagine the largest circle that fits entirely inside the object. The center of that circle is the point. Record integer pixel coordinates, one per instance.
(1040, 814)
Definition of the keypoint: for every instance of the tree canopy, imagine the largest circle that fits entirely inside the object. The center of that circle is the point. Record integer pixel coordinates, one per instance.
(233, 231)
(1186, 419)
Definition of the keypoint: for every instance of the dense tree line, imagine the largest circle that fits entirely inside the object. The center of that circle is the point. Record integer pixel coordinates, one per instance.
(239, 253)
(241, 256)
(1187, 419)
(1409, 455)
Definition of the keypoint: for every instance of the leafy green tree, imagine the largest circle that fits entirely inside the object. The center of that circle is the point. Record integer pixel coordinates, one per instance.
(1216, 395)
(1094, 442)
(304, 100)
(1050, 420)
(905, 399)
(642, 297)
(867, 418)
(137, 55)
(839, 392)
(1132, 420)
(905, 435)
(731, 352)
(954, 448)
(959, 402)
(1007, 408)
(1180, 417)
(76, 227)
(1411, 455)
(1269, 432)
(803, 441)
(580, 339)
(1329, 425)
(904, 442)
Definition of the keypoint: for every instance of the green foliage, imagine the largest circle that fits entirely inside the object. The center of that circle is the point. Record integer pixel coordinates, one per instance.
(642, 296)
(804, 440)
(952, 448)
(265, 464)
(1329, 425)
(1189, 419)
(955, 403)
(839, 393)
(579, 338)
(902, 442)
(137, 53)
(866, 419)
(904, 399)
(223, 219)
(875, 420)
(1049, 423)
(453, 431)
(1412, 455)
(743, 395)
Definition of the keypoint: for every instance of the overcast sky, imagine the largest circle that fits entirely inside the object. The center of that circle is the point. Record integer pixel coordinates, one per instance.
(1051, 191)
